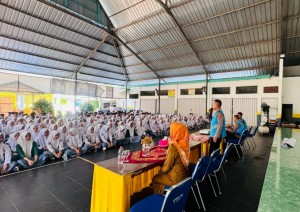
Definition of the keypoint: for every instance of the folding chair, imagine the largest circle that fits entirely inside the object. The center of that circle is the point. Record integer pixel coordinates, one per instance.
(175, 199)
(217, 165)
(239, 142)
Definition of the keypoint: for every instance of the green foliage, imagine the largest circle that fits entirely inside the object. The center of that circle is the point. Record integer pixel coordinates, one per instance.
(88, 107)
(43, 106)
(95, 103)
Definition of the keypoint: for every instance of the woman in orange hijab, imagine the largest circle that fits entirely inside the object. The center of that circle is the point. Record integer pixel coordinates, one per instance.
(175, 168)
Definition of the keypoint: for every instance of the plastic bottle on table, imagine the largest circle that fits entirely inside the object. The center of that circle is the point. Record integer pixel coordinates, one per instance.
(120, 161)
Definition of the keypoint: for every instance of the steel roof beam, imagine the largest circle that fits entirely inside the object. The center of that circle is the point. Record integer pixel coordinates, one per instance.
(55, 24)
(120, 59)
(217, 72)
(56, 60)
(63, 70)
(55, 38)
(58, 50)
(98, 25)
(91, 53)
(222, 61)
(206, 19)
(208, 37)
(182, 32)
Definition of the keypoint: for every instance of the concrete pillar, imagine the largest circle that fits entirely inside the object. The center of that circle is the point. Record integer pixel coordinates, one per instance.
(281, 61)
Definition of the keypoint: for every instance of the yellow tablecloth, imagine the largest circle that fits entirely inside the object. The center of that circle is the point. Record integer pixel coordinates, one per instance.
(111, 191)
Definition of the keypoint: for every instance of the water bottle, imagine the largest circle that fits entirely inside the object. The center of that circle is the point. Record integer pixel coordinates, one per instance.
(120, 161)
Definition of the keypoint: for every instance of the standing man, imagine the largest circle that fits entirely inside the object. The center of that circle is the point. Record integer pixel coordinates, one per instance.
(217, 127)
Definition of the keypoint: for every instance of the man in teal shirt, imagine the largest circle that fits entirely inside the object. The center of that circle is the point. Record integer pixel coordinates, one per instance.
(243, 121)
(217, 126)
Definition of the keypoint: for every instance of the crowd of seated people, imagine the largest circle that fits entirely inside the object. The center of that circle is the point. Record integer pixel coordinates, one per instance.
(28, 141)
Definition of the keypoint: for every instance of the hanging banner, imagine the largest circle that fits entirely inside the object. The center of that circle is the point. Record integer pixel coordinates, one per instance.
(171, 93)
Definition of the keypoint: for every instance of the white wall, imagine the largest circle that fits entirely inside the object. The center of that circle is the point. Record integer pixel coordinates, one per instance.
(290, 94)
(255, 99)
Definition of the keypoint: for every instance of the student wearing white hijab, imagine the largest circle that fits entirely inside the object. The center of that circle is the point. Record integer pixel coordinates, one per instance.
(154, 128)
(106, 137)
(91, 139)
(120, 134)
(2, 125)
(42, 138)
(63, 132)
(54, 145)
(140, 129)
(28, 152)
(132, 134)
(75, 145)
(34, 131)
(9, 128)
(6, 164)
(12, 142)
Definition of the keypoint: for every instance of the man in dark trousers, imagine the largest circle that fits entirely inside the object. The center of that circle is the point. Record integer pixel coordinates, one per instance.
(217, 126)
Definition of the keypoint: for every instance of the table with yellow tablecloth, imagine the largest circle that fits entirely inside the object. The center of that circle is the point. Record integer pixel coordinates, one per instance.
(114, 184)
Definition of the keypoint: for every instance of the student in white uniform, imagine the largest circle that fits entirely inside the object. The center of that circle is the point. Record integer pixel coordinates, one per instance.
(91, 139)
(28, 152)
(120, 135)
(75, 145)
(12, 142)
(132, 134)
(106, 137)
(54, 145)
(6, 164)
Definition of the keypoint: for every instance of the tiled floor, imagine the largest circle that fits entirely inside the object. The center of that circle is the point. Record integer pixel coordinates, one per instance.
(66, 186)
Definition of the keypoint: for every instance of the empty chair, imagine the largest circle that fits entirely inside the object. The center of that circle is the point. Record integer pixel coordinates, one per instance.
(217, 165)
(198, 175)
(249, 130)
(213, 164)
(239, 142)
(175, 199)
(251, 135)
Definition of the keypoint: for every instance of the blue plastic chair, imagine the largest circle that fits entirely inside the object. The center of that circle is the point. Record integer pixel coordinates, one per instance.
(218, 165)
(251, 135)
(198, 175)
(239, 142)
(249, 130)
(213, 164)
(175, 199)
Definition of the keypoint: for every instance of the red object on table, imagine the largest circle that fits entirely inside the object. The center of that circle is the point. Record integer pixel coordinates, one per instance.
(156, 154)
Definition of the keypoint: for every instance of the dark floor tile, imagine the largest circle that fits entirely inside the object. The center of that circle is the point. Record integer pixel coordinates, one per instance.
(79, 199)
(242, 206)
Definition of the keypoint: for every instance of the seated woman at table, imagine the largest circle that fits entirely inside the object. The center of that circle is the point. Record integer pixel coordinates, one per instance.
(236, 130)
(28, 151)
(175, 168)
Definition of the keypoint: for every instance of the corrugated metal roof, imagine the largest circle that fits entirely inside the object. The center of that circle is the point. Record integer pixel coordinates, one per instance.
(190, 37)
(291, 32)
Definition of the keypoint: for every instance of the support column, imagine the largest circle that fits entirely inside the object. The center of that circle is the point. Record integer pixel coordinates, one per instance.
(159, 95)
(75, 92)
(280, 89)
(206, 93)
(126, 84)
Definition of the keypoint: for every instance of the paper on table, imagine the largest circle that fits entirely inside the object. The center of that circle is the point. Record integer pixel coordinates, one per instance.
(289, 142)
